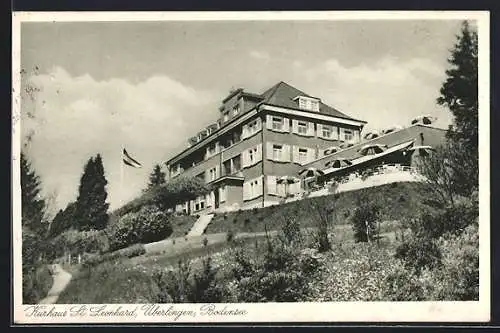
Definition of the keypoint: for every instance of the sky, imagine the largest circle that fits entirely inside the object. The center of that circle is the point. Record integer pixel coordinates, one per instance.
(148, 86)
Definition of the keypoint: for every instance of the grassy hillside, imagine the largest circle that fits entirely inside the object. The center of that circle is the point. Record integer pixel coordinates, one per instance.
(397, 201)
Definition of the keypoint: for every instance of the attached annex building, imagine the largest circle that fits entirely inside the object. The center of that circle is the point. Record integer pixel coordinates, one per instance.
(258, 139)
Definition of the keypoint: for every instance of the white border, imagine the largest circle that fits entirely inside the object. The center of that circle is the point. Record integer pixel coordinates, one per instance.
(281, 312)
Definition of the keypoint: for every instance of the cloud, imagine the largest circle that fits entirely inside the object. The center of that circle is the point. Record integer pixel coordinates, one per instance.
(78, 117)
(383, 93)
(260, 55)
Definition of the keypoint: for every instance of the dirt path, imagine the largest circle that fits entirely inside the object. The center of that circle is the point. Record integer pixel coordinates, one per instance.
(61, 279)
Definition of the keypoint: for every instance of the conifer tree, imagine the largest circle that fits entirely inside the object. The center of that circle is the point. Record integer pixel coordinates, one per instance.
(33, 206)
(91, 207)
(157, 177)
(459, 93)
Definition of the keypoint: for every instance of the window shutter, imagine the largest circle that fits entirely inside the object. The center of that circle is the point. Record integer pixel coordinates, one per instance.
(295, 125)
(356, 136)
(271, 185)
(295, 154)
(258, 124)
(246, 192)
(335, 133)
(286, 125)
(259, 152)
(217, 171)
(269, 121)
(286, 153)
(244, 132)
(260, 186)
(311, 154)
(319, 130)
(310, 128)
(244, 159)
(269, 150)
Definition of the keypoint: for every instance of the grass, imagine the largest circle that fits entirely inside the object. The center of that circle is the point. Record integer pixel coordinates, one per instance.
(181, 225)
(398, 200)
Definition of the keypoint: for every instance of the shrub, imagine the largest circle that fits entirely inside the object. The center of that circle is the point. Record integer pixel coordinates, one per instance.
(418, 253)
(36, 284)
(149, 224)
(174, 284)
(403, 285)
(229, 236)
(458, 278)
(283, 275)
(129, 252)
(78, 242)
(452, 219)
(364, 219)
(205, 288)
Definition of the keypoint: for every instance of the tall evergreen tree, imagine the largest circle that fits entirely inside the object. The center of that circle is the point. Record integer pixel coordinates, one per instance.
(33, 206)
(91, 207)
(459, 93)
(157, 177)
(63, 220)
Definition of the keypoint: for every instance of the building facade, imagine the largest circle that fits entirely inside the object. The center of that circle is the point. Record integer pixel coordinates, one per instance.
(258, 139)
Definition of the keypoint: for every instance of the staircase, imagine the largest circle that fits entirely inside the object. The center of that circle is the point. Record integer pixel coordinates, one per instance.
(200, 225)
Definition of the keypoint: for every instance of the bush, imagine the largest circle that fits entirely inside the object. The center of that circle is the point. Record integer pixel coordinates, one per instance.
(419, 253)
(149, 224)
(452, 219)
(78, 242)
(129, 252)
(364, 219)
(458, 278)
(403, 285)
(205, 288)
(174, 285)
(283, 275)
(36, 284)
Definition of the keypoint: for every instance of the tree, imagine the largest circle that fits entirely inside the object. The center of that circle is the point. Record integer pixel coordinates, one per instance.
(91, 207)
(459, 93)
(63, 220)
(33, 205)
(156, 178)
(364, 219)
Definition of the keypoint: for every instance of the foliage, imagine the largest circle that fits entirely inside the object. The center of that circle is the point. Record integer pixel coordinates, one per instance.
(460, 94)
(458, 278)
(205, 288)
(148, 225)
(63, 220)
(36, 284)
(364, 219)
(403, 284)
(282, 275)
(129, 252)
(179, 190)
(33, 205)
(91, 207)
(156, 178)
(174, 284)
(324, 211)
(76, 242)
(419, 253)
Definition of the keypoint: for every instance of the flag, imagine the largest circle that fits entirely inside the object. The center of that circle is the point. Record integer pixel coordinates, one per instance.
(128, 160)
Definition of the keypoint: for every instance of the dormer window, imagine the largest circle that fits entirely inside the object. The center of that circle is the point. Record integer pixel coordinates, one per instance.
(236, 110)
(308, 103)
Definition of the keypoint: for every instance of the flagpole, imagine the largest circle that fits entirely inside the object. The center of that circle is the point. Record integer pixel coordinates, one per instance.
(122, 174)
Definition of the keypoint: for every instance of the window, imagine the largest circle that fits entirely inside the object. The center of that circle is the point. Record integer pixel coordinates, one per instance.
(226, 116)
(252, 155)
(251, 128)
(302, 155)
(277, 123)
(308, 103)
(212, 174)
(348, 135)
(326, 131)
(222, 193)
(252, 188)
(236, 109)
(277, 152)
(302, 127)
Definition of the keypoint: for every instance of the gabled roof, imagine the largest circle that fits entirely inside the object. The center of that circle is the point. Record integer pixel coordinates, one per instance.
(283, 94)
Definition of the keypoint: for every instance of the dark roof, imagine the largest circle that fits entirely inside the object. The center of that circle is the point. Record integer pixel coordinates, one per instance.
(283, 94)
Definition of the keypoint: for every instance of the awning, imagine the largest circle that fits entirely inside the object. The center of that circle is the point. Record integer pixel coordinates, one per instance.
(363, 159)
